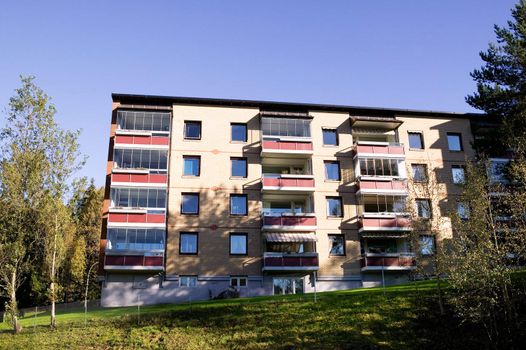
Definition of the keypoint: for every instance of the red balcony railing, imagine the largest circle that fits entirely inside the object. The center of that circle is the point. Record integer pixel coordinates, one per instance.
(380, 149)
(286, 145)
(289, 221)
(137, 218)
(394, 185)
(133, 260)
(377, 223)
(142, 140)
(287, 182)
(142, 178)
(283, 261)
(388, 260)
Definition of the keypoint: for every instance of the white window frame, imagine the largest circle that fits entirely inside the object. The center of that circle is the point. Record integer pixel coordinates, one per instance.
(237, 280)
(188, 281)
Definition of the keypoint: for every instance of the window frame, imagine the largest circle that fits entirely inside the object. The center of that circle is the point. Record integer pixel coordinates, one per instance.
(233, 195)
(238, 284)
(197, 194)
(339, 198)
(428, 201)
(337, 162)
(420, 136)
(432, 237)
(335, 130)
(198, 165)
(459, 135)
(232, 159)
(200, 129)
(239, 234)
(342, 236)
(189, 233)
(463, 168)
(232, 132)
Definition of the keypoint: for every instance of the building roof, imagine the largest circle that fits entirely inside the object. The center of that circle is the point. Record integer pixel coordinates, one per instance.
(132, 99)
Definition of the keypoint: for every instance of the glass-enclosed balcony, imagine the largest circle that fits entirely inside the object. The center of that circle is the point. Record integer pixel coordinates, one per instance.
(388, 262)
(371, 148)
(286, 137)
(387, 251)
(296, 214)
(383, 212)
(380, 168)
(148, 121)
(289, 178)
(134, 262)
(151, 161)
(121, 240)
(152, 199)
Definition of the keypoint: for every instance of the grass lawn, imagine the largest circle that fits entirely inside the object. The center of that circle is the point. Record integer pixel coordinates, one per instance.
(402, 317)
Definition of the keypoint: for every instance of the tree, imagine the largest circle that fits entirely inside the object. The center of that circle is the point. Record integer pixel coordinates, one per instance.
(38, 161)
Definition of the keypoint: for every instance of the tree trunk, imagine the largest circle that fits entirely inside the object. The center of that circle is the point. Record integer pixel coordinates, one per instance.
(52, 286)
(439, 286)
(13, 307)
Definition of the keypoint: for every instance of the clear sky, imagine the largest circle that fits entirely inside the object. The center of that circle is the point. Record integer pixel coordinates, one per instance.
(406, 53)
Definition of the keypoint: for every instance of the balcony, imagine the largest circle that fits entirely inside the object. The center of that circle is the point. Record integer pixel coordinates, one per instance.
(143, 140)
(282, 147)
(290, 262)
(135, 217)
(133, 178)
(384, 222)
(144, 262)
(287, 183)
(385, 149)
(388, 262)
(284, 222)
(381, 186)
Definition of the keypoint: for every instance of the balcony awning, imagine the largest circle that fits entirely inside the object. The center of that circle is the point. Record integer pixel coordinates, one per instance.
(365, 131)
(384, 235)
(291, 237)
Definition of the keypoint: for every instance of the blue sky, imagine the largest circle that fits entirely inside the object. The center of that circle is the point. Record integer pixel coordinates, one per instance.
(407, 53)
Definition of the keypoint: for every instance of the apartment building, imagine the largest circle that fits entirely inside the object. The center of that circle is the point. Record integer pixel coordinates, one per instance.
(269, 197)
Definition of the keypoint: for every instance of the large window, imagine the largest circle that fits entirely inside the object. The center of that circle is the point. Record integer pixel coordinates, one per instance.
(191, 165)
(337, 244)
(458, 173)
(188, 243)
(154, 160)
(188, 281)
(238, 244)
(497, 170)
(419, 172)
(454, 141)
(332, 170)
(190, 203)
(138, 198)
(287, 285)
(238, 204)
(143, 120)
(239, 132)
(142, 239)
(334, 207)
(416, 140)
(423, 208)
(292, 127)
(330, 137)
(239, 167)
(192, 130)
(379, 167)
(384, 204)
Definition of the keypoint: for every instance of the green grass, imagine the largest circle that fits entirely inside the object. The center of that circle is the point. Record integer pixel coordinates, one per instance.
(401, 317)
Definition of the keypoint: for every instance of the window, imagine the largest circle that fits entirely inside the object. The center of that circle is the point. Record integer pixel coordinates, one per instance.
(238, 282)
(454, 141)
(334, 206)
(287, 285)
(427, 245)
(462, 210)
(423, 208)
(332, 170)
(239, 167)
(138, 198)
(416, 141)
(337, 244)
(291, 127)
(188, 243)
(379, 167)
(497, 170)
(458, 173)
(191, 165)
(192, 130)
(190, 203)
(239, 132)
(419, 172)
(330, 137)
(238, 244)
(154, 160)
(187, 281)
(138, 239)
(143, 120)
(238, 204)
